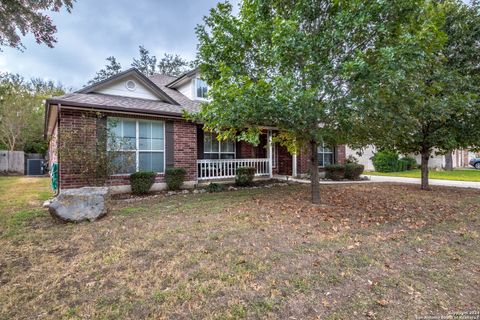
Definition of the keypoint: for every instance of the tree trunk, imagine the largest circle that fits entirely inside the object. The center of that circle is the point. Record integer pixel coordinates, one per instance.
(449, 161)
(314, 173)
(424, 168)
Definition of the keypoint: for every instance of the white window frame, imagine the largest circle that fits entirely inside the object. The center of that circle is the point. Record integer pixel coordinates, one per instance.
(137, 143)
(332, 152)
(219, 152)
(195, 90)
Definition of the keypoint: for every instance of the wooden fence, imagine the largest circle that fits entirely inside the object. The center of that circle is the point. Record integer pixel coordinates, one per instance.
(12, 162)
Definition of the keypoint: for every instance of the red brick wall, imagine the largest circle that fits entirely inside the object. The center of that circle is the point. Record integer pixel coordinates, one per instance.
(245, 150)
(185, 149)
(284, 161)
(85, 123)
(340, 155)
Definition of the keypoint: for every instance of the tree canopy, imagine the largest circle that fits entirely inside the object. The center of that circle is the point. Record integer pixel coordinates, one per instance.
(22, 112)
(285, 64)
(146, 63)
(18, 18)
(420, 94)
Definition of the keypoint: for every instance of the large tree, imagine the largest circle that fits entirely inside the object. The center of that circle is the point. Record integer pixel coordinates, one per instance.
(22, 111)
(146, 63)
(425, 100)
(111, 68)
(282, 64)
(173, 65)
(20, 17)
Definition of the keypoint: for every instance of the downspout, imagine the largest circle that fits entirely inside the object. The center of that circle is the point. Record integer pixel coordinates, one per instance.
(58, 150)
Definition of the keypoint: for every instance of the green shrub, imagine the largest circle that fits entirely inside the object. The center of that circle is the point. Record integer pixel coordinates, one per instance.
(335, 172)
(174, 177)
(215, 187)
(353, 171)
(411, 163)
(351, 159)
(402, 165)
(385, 161)
(244, 176)
(141, 182)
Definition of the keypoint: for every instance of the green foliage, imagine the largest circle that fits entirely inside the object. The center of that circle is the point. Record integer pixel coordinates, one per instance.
(353, 171)
(351, 159)
(244, 176)
(335, 172)
(286, 64)
(141, 182)
(411, 163)
(22, 111)
(385, 161)
(111, 68)
(174, 177)
(17, 18)
(422, 86)
(215, 187)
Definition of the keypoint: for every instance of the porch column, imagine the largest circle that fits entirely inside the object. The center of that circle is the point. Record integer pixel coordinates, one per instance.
(294, 165)
(270, 153)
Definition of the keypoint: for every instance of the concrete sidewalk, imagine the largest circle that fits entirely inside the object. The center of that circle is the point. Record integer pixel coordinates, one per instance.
(433, 182)
(376, 179)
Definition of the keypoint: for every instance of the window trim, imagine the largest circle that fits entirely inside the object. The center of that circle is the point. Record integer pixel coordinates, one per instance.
(332, 152)
(195, 90)
(137, 144)
(219, 152)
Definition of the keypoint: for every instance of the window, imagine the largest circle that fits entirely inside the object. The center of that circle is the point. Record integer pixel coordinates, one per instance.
(202, 88)
(325, 156)
(139, 144)
(214, 149)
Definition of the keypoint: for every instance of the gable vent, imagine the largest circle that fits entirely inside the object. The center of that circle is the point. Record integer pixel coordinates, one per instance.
(130, 85)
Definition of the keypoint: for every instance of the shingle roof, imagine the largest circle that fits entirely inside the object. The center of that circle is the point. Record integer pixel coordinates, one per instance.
(122, 103)
(110, 102)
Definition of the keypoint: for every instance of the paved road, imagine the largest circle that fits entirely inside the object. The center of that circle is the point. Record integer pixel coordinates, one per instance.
(433, 182)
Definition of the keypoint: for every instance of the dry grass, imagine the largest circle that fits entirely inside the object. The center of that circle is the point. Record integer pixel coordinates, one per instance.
(368, 252)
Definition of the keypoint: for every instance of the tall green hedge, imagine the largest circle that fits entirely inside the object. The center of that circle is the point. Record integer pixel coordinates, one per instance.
(385, 161)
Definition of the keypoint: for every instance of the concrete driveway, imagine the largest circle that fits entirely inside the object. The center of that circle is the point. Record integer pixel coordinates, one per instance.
(433, 182)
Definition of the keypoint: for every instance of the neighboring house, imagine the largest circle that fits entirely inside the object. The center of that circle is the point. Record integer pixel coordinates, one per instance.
(460, 158)
(149, 113)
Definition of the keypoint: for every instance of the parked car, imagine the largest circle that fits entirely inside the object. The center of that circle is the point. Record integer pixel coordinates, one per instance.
(475, 162)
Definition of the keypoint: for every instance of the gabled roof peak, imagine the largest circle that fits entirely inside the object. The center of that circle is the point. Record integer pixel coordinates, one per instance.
(139, 76)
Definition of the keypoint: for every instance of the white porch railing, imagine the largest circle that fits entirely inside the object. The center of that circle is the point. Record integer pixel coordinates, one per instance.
(227, 168)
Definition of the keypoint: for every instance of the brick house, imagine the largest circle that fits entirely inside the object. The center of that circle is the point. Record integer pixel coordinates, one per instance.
(148, 112)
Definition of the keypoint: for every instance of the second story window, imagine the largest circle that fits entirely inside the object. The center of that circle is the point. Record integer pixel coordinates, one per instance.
(202, 89)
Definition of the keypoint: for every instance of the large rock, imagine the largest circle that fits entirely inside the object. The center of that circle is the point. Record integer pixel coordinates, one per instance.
(88, 203)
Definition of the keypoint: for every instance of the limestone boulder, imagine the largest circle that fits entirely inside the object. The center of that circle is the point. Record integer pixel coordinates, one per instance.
(75, 205)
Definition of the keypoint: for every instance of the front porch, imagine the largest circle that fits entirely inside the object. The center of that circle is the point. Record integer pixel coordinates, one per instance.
(219, 160)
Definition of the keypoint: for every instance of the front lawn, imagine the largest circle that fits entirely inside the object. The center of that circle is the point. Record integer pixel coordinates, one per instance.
(368, 252)
(459, 175)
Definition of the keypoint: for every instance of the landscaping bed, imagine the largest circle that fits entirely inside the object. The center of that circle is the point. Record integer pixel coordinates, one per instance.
(369, 251)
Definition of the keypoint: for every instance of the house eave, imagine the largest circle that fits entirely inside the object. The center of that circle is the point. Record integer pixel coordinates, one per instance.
(115, 109)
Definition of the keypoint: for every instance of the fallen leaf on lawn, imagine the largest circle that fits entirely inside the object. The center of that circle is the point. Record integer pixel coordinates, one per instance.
(383, 302)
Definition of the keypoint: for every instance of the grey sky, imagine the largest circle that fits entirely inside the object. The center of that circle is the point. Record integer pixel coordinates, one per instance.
(97, 29)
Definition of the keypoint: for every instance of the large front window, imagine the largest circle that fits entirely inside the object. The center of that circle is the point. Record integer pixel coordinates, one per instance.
(202, 89)
(214, 149)
(325, 155)
(139, 145)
